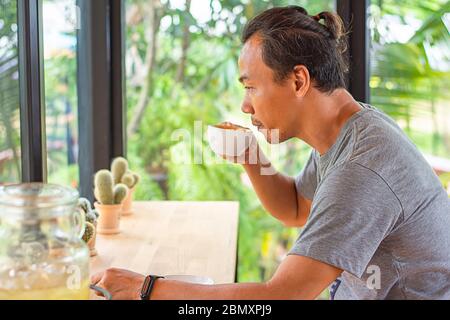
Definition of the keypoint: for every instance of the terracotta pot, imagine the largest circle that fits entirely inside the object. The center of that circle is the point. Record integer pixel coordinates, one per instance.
(127, 205)
(91, 243)
(109, 218)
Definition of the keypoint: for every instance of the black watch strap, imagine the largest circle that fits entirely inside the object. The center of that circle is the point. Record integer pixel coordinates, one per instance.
(147, 287)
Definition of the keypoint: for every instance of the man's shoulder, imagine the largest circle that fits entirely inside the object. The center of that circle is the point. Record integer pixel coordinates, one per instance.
(375, 123)
(378, 138)
(356, 177)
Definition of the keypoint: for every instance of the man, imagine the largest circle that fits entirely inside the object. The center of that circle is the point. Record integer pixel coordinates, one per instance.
(376, 219)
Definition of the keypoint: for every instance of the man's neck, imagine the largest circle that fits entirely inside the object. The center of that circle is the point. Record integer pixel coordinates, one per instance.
(324, 116)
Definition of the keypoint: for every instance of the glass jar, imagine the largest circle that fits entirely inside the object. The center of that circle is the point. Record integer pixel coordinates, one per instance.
(42, 255)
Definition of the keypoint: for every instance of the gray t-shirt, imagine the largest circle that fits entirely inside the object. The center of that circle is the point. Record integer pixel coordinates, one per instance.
(378, 212)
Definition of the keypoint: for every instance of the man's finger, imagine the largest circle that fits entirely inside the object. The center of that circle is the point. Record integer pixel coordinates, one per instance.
(241, 159)
(96, 278)
(97, 292)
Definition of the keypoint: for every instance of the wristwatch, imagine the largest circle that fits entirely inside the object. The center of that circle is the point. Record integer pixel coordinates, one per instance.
(147, 287)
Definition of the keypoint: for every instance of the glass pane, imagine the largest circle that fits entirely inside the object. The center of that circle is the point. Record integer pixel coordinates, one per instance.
(181, 65)
(60, 21)
(410, 53)
(10, 166)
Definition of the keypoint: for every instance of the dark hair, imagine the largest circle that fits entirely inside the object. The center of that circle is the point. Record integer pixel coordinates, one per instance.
(291, 37)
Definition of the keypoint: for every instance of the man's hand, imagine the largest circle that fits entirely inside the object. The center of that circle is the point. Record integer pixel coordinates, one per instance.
(122, 284)
(253, 155)
(249, 155)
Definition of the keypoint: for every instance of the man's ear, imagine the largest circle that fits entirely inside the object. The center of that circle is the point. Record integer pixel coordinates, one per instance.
(302, 80)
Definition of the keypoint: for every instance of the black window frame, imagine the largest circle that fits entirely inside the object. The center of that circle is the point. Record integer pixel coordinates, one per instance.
(31, 84)
(355, 14)
(101, 88)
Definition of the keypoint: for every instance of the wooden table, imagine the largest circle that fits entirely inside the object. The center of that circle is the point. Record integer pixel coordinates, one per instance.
(169, 237)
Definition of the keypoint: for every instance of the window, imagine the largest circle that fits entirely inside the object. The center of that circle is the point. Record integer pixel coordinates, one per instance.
(10, 164)
(410, 71)
(181, 68)
(60, 22)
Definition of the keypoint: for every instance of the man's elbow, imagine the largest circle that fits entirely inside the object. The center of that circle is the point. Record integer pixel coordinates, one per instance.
(295, 223)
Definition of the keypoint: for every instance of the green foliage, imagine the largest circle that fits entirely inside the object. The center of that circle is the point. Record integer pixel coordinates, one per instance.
(61, 106)
(10, 170)
(445, 180)
(64, 175)
(147, 189)
(407, 81)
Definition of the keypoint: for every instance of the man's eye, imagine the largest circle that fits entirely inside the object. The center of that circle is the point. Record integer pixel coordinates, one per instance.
(248, 88)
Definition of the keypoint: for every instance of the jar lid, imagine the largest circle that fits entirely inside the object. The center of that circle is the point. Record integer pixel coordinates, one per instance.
(37, 195)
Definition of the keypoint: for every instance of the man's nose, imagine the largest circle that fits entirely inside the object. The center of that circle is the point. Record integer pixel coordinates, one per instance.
(247, 107)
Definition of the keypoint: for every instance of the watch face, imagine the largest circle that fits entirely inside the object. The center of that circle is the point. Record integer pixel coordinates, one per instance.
(146, 287)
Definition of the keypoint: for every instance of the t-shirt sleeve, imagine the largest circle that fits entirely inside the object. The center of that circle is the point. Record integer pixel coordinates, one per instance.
(352, 212)
(306, 181)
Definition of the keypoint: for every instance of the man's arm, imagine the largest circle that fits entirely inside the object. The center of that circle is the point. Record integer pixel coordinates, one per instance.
(278, 194)
(297, 277)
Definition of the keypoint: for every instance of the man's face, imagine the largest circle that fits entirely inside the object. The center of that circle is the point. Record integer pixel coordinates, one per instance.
(270, 104)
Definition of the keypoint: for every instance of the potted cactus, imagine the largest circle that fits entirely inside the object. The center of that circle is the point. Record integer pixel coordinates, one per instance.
(109, 202)
(121, 174)
(90, 231)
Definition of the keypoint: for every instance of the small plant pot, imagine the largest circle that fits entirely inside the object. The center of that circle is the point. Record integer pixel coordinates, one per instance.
(91, 243)
(127, 205)
(109, 218)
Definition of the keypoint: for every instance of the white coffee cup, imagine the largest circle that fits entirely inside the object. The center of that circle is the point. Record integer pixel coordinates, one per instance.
(229, 142)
